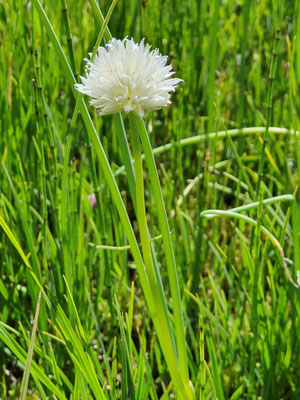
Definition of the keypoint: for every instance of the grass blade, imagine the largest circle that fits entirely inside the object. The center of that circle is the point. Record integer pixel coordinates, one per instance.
(25, 380)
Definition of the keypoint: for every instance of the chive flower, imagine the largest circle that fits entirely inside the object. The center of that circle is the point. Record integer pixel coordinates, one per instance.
(128, 76)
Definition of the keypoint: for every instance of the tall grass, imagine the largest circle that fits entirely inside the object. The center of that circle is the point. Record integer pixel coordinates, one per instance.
(227, 157)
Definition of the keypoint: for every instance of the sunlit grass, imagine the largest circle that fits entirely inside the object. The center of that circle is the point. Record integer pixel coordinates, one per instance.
(95, 335)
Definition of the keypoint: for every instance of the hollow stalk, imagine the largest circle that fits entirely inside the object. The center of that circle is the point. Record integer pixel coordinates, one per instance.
(139, 132)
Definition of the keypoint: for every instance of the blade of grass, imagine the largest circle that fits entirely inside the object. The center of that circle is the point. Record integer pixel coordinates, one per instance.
(25, 379)
(230, 214)
(101, 156)
(36, 371)
(265, 137)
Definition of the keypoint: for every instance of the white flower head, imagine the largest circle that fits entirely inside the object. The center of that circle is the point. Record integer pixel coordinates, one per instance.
(127, 76)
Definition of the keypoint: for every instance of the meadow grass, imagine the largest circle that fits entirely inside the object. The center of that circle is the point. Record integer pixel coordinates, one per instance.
(79, 317)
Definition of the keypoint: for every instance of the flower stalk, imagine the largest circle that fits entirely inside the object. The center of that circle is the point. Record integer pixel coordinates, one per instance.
(139, 133)
(169, 253)
(144, 236)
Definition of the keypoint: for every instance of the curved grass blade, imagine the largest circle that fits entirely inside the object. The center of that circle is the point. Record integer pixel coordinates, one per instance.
(116, 195)
(231, 214)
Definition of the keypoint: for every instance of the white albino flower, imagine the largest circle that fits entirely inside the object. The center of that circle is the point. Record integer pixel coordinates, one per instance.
(127, 76)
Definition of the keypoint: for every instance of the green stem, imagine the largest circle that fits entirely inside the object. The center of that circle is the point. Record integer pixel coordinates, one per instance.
(162, 326)
(251, 131)
(246, 9)
(169, 253)
(254, 319)
(51, 140)
(238, 158)
(140, 200)
(202, 360)
(269, 235)
(212, 61)
(222, 134)
(96, 187)
(100, 19)
(108, 174)
(269, 110)
(64, 10)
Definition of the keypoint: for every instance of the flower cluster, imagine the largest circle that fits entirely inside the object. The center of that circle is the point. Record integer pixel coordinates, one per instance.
(128, 76)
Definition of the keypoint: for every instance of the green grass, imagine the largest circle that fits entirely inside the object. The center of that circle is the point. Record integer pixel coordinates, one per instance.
(230, 191)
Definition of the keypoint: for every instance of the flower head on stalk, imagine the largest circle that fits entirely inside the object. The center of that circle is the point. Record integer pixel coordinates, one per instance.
(128, 76)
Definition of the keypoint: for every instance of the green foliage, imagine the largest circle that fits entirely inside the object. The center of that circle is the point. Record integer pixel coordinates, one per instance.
(94, 336)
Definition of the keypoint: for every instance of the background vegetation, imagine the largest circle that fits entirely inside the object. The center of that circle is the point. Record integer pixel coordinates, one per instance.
(94, 338)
